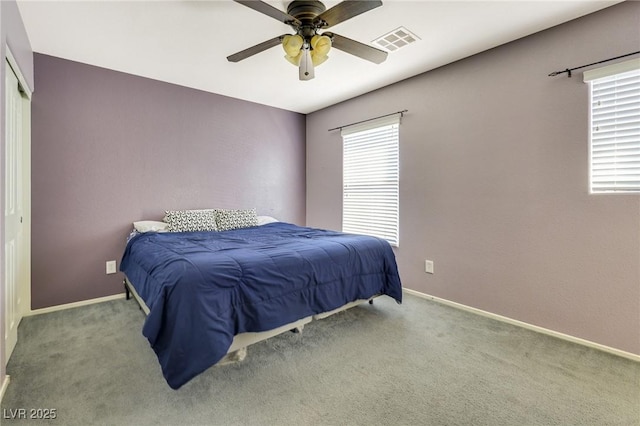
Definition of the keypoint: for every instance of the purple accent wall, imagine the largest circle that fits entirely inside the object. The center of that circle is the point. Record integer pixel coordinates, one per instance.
(110, 148)
(494, 183)
(13, 34)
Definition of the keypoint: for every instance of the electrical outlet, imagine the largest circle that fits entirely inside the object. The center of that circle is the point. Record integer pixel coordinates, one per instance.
(111, 267)
(428, 266)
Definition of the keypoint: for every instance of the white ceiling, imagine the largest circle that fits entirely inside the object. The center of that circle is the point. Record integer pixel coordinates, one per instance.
(187, 42)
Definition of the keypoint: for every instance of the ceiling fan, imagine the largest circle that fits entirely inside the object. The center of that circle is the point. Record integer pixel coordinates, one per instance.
(308, 48)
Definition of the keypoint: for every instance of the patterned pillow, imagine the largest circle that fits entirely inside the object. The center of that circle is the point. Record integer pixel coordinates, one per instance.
(235, 219)
(191, 220)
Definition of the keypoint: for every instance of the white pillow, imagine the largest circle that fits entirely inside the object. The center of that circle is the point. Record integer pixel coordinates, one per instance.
(263, 220)
(150, 226)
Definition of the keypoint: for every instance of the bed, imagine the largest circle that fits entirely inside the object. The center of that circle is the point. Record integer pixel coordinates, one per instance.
(209, 293)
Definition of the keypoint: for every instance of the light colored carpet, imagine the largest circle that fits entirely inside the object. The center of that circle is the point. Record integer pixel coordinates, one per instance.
(419, 363)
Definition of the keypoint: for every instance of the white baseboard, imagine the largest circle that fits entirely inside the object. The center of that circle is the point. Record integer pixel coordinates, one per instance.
(74, 305)
(5, 385)
(573, 339)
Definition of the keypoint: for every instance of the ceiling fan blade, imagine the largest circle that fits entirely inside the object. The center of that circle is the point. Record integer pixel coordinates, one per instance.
(356, 48)
(244, 54)
(345, 10)
(269, 10)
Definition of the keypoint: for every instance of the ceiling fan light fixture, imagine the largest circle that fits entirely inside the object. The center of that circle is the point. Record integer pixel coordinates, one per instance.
(292, 44)
(306, 70)
(317, 47)
(306, 48)
(295, 60)
(318, 59)
(321, 44)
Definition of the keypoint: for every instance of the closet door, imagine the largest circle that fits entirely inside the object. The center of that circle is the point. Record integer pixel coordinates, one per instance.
(13, 210)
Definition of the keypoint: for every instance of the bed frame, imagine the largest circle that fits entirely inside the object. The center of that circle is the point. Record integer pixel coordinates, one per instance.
(238, 349)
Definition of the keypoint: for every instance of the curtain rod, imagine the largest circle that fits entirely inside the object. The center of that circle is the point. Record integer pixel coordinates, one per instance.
(568, 71)
(369, 119)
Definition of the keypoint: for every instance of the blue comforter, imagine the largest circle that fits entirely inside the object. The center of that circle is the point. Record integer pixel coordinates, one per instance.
(202, 288)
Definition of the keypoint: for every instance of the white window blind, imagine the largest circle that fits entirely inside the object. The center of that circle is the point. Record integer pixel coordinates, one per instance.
(614, 150)
(371, 178)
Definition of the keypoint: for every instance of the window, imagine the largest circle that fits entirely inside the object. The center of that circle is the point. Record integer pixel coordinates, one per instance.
(370, 178)
(614, 148)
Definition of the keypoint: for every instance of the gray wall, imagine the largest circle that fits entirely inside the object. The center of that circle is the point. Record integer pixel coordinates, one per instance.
(14, 35)
(110, 148)
(494, 184)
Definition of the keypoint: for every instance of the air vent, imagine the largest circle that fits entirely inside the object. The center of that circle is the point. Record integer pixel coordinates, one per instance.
(396, 39)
